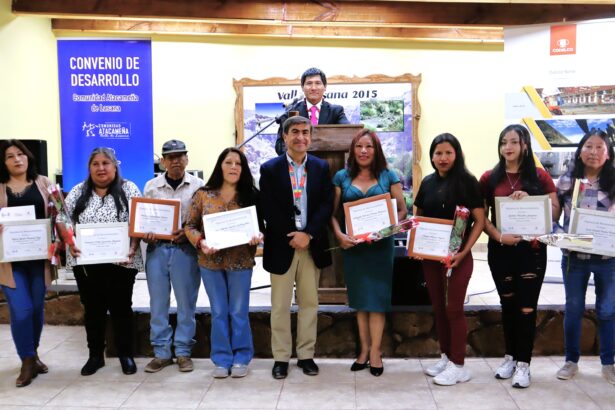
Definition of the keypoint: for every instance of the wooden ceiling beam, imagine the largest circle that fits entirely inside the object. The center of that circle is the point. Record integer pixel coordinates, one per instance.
(448, 34)
(384, 12)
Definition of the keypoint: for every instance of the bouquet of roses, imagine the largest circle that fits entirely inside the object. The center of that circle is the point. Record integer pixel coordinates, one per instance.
(61, 222)
(460, 223)
(400, 227)
(578, 242)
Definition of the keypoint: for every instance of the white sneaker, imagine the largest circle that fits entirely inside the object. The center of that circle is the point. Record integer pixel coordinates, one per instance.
(220, 372)
(568, 371)
(439, 367)
(452, 375)
(239, 370)
(522, 379)
(506, 369)
(608, 371)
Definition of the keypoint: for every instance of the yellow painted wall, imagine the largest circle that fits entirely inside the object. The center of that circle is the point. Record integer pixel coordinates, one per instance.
(461, 92)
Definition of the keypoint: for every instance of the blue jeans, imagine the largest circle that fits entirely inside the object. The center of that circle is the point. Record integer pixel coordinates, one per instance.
(26, 303)
(229, 297)
(175, 265)
(576, 276)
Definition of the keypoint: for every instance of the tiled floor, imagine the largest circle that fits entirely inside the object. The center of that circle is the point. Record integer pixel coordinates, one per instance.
(402, 386)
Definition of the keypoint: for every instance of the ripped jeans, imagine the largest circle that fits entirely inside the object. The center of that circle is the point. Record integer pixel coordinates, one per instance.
(518, 273)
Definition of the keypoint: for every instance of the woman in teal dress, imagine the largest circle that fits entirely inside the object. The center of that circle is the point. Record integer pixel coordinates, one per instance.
(368, 268)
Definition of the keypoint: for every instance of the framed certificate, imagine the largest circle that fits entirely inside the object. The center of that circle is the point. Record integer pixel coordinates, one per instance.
(230, 228)
(159, 216)
(17, 213)
(600, 224)
(430, 239)
(102, 243)
(369, 215)
(530, 215)
(25, 240)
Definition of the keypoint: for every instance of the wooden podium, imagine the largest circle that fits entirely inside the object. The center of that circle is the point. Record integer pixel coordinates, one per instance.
(331, 143)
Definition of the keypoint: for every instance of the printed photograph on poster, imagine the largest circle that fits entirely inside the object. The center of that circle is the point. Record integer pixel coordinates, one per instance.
(579, 100)
(556, 163)
(383, 116)
(569, 131)
(387, 105)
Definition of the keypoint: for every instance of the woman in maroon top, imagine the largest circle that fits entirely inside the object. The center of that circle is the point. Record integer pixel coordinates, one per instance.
(518, 267)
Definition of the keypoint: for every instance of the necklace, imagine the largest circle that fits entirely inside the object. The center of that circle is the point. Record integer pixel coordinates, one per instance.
(512, 184)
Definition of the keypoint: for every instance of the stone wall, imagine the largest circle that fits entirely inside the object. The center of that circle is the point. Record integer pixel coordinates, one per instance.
(409, 333)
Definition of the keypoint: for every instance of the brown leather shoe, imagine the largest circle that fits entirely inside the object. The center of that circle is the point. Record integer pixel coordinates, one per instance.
(157, 365)
(185, 364)
(27, 373)
(41, 367)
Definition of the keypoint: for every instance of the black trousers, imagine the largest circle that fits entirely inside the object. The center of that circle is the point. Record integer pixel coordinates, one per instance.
(106, 288)
(518, 273)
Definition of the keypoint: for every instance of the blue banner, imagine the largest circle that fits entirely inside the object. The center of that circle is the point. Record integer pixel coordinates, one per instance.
(106, 101)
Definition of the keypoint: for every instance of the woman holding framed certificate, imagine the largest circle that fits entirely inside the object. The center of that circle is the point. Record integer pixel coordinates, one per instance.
(368, 267)
(24, 283)
(102, 201)
(518, 267)
(440, 193)
(593, 169)
(226, 273)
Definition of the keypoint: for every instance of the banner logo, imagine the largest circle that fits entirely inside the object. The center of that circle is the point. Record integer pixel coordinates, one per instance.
(563, 40)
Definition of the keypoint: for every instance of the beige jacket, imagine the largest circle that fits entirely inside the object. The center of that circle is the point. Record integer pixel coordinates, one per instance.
(6, 269)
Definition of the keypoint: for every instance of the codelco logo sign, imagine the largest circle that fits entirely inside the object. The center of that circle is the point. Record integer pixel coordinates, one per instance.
(563, 39)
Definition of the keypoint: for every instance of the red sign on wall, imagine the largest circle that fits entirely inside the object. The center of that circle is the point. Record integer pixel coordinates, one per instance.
(563, 40)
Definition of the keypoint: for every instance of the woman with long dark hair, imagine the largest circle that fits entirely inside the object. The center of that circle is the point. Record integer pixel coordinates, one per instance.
(368, 268)
(103, 198)
(24, 283)
(518, 267)
(226, 273)
(593, 166)
(440, 193)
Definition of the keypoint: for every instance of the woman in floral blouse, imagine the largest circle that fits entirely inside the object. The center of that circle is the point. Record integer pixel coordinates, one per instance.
(102, 198)
(226, 273)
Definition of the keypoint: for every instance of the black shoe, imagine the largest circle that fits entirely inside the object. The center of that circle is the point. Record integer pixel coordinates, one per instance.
(280, 370)
(356, 366)
(128, 365)
(376, 371)
(308, 366)
(92, 365)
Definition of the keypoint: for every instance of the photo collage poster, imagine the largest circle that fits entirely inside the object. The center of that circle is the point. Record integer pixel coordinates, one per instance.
(561, 93)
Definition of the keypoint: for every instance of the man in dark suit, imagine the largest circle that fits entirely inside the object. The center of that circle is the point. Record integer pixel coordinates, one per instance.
(297, 201)
(314, 85)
